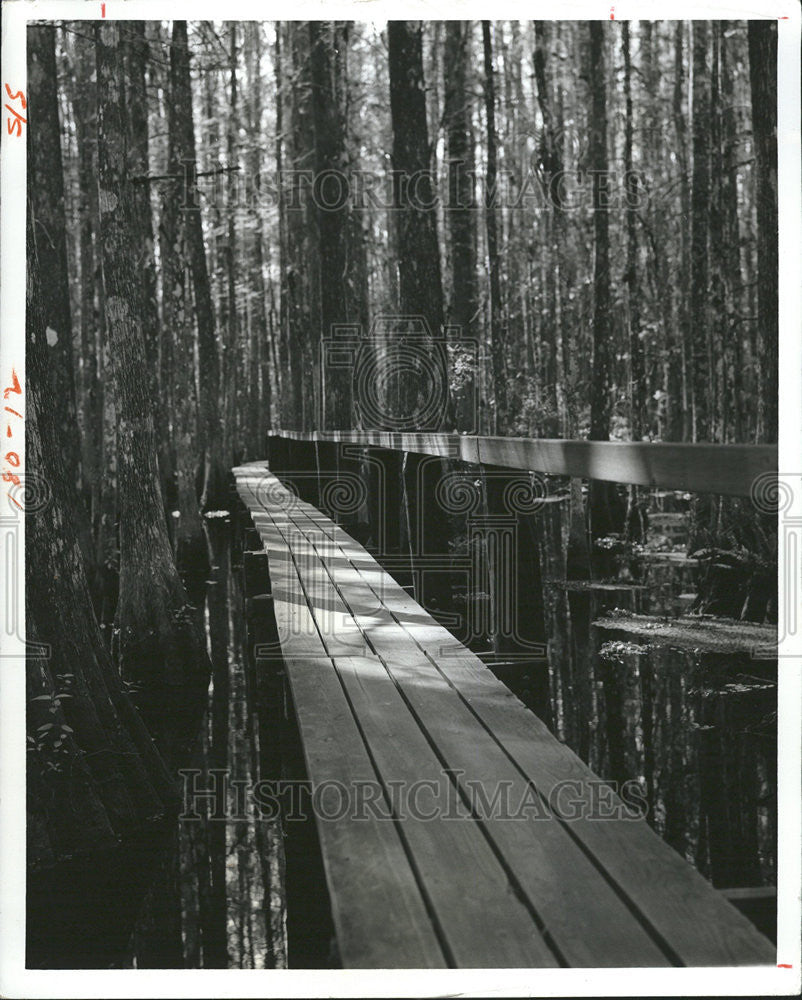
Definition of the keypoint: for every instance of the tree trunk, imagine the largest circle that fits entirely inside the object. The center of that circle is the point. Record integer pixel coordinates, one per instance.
(136, 55)
(733, 272)
(420, 288)
(460, 206)
(491, 196)
(554, 372)
(190, 546)
(602, 320)
(46, 181)
(329, 114)
(83, 98)
(717, 337)
(601, 501)
(159, 640)
(95, 780)
(636, 373)
(260, 349)
(763, 80)
(418, 345)
(214, 494)
(232, 393)
(300, 259)
(681, 427)
(286, 409)
(700, 228)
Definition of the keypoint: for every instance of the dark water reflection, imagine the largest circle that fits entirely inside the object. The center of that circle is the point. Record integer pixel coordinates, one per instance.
(218, 898)
(697, 732)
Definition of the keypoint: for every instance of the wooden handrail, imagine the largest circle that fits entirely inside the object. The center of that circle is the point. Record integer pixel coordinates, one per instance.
(727, 469)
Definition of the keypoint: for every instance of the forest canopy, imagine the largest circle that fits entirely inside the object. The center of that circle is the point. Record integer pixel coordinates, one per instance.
(584, 213)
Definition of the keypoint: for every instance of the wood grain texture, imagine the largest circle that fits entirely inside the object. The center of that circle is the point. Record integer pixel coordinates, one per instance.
(367, 868)
(603, 891)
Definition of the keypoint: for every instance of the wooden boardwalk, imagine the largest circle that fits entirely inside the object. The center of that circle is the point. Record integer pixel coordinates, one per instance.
(482, 844)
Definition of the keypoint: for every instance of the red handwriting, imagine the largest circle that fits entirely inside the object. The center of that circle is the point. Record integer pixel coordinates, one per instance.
(15, 118)
(11, 457)
(14, 387)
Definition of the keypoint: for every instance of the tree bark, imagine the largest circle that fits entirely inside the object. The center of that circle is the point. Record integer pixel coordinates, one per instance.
(602, 320)
(136, 57)
(190, 546)
(732, 267)
(491, 224)
(159, 641)
(681, 426)
(47, 187)
(420, 287)
(460, 206)
(636, 372)
(94, 774)
(300, 258)
(700, 228)
(83, 101)
(326, 44)
(763, 82)
(214, 493)
(260, 347)
(551, 161)
(232, 408)
(602, 502)
(418, 333)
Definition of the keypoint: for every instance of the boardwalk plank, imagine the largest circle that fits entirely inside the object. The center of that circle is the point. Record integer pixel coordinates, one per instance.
(642, 903)
(367, 867)
(590, 925)
(698, 925)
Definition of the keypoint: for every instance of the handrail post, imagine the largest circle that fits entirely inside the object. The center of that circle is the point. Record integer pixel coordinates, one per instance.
(426, 531)
(515, 583)
(278, 453)
(301, 471)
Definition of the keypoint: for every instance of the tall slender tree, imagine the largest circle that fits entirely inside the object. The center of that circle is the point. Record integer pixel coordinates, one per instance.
(420, 283)
(602, 500)
(159, 639)
(460, 206)
(214, 493)
(700, 229)
(47, 187)
(763, 82)
(260, 369)
(326, 44)
(300, 260)
(551, 163)
(179, 320)
(683, 429)
(491, 225)
(732, 248)
(636, 373)
(602, 318)
(89, 386)
(424, 387)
